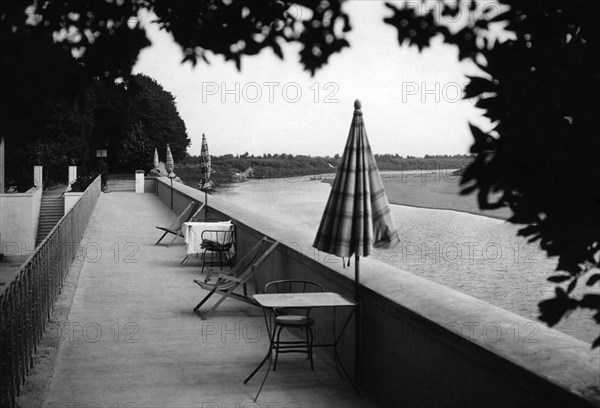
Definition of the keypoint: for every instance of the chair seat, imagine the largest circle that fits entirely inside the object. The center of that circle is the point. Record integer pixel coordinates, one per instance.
(293, 320)
(215, 246)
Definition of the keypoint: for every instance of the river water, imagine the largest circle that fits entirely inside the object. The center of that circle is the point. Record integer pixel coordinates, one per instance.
(477, 255)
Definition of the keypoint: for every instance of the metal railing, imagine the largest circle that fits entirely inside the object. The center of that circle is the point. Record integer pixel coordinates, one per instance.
(28, 301)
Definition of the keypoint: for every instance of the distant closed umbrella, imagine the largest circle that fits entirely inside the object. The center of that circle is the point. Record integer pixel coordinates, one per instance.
(357, 216)
(156, 162)
(205, 166)
(170, 164)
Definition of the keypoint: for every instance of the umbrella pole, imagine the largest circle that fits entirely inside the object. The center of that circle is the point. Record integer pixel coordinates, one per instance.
(356, 317)
(171, 193)
(205, 205)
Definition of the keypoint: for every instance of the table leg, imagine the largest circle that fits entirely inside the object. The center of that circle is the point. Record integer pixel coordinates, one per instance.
(264, 379)
(336, 357)
(268, 356)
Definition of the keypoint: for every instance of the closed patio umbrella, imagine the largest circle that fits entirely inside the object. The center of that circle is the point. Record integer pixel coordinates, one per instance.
(205, 168)
(169, 166)
(357, 216)
(156, 162)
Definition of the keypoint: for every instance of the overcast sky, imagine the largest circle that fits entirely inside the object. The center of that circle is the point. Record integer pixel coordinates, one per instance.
(411, 100)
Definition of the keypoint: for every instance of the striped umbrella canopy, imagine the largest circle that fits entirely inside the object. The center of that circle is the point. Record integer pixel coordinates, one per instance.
(170, 164)
(357, 216)
(205, 166)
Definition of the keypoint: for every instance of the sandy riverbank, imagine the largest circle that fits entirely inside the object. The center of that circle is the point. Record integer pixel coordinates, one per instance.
(434, 190)
(437, 189)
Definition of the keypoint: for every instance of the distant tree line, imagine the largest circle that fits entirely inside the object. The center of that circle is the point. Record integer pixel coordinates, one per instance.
(278, 165)
(227, 166)
(396, 162)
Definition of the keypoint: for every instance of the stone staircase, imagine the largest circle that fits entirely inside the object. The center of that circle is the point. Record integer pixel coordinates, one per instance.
(51, 211)
(121, 183)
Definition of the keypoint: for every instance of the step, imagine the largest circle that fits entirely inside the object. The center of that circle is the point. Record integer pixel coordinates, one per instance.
(45, 228)
(49, 222)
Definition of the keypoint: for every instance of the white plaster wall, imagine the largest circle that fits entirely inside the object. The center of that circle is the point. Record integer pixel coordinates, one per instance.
(19, 220)
(35, 210)
(70, 200)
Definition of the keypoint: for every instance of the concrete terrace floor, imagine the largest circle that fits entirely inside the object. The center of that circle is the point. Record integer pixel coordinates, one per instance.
(132, 339)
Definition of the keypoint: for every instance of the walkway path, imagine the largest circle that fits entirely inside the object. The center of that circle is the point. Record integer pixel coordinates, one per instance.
(133, 340)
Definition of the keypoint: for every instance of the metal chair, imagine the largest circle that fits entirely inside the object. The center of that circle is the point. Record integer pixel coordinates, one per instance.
(219, 242)
(202, 220)
(291, 318)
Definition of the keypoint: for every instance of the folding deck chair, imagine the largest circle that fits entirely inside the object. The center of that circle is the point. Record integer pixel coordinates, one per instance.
(188, 214)
(241, 273)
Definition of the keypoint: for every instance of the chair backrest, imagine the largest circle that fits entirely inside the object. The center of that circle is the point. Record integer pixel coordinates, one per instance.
(293, 286)
(245, 267)
(188, 214)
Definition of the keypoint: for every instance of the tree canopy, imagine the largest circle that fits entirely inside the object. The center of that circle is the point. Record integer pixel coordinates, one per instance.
(132, 118)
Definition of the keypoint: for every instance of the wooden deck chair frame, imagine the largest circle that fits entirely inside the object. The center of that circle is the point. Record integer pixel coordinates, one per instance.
(242, 272)
(190, 212)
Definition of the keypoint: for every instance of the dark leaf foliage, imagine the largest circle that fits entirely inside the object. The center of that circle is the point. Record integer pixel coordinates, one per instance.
(81, 183)
(106, 37)
(541, 89)
(593, 279)
(552, 310)
(559, 278)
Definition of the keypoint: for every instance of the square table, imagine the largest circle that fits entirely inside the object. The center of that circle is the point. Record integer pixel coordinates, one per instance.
(192, 233)
(270, 301)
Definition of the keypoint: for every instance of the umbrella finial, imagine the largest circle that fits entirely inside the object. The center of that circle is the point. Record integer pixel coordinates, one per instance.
(357, 104)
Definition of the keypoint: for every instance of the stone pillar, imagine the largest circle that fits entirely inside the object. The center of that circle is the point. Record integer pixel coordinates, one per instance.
(139, 181)
(37, 176)
(1, 165)
(72, 174)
